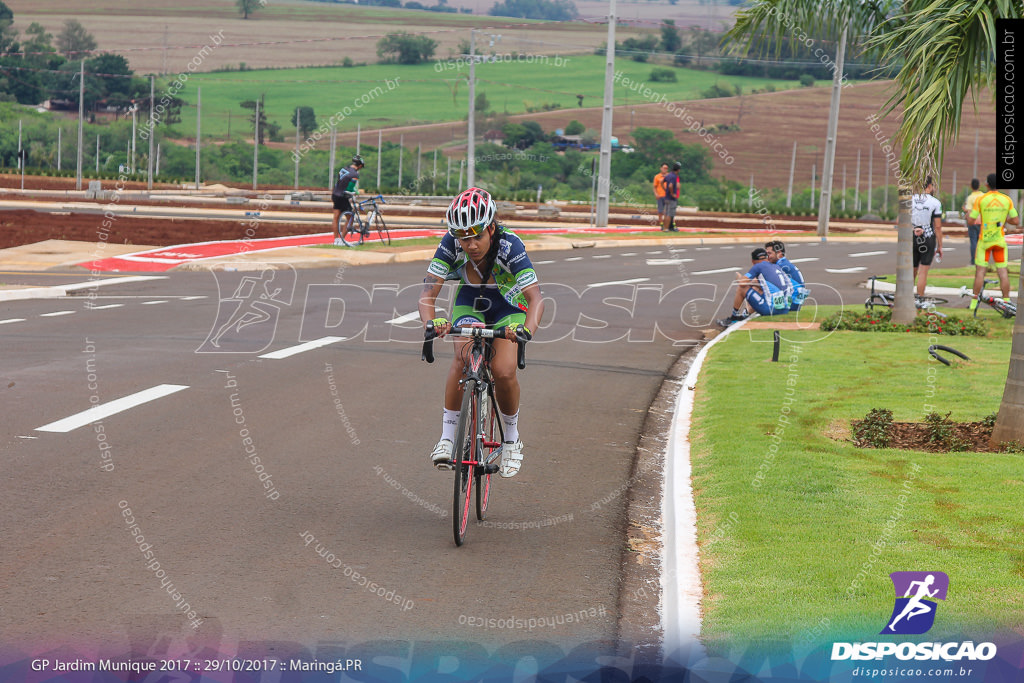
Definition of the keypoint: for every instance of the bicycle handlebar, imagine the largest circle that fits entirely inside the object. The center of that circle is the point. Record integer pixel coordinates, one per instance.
(429, 334)
(372, 200)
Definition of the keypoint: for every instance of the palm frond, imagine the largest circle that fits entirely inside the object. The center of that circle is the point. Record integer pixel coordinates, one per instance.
(946, 50)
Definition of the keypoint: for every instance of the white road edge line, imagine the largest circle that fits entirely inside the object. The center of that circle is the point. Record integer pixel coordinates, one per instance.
(680, 575)
(103, 410)
(308, 346)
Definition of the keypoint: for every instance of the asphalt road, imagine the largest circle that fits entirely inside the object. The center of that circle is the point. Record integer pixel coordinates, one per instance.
(339, 539)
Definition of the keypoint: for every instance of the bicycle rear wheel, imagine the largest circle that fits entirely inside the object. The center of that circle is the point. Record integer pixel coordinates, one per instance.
(355, 228)
(382, 228)
(933, 300)
(489, 434)
(463, 453)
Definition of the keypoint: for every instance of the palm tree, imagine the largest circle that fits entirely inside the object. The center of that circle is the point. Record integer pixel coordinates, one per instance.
(774, 23)
(800, 25)
(949, 50)
(946, 50)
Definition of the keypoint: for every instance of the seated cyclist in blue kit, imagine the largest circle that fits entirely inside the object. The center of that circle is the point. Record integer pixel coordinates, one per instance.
(777, 255)
(765, 289)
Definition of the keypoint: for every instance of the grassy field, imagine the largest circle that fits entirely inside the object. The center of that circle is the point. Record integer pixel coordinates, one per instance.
(799, 559)
(428, 93)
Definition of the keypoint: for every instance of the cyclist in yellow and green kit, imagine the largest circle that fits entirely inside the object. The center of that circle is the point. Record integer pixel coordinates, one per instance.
(996, 211)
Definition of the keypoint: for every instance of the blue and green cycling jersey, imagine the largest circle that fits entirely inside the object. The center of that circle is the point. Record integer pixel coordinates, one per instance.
(512, 270)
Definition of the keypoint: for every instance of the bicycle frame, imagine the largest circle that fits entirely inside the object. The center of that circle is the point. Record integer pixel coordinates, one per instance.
(475, 449)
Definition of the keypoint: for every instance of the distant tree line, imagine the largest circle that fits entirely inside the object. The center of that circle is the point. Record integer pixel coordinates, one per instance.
(41, 67)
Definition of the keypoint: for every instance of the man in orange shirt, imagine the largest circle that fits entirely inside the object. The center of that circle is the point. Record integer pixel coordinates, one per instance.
(994, 210)
(659, 192)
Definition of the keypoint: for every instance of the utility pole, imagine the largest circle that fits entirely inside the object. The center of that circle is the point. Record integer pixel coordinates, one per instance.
(605, 167)
(256, 145)
(199, 109)
(358, 131)
(152, 133)
(471, 140)
(792, 169)
(81, 116)
(58, 148)
(21, 157)
(298, 116)
(380, 153)
(401, 154)
(824, 207)
(334, 142)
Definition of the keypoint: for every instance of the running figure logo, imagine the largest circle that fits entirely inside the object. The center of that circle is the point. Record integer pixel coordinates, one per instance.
(247, 319)
(914, 612)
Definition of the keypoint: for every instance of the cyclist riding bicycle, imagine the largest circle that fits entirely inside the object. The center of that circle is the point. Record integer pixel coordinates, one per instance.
(498, 286)
(341, 197)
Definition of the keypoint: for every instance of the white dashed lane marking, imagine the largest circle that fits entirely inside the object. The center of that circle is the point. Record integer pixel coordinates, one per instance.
(574, 258)
(408, 317)
(868, 253)
(308, 346)
(55, 314)
(803, 260)
(153, 303)
(719, 270)
(855, 269)
(667, 261)
(104, 410)
(12, 320)
(101, 308)
(619, 282)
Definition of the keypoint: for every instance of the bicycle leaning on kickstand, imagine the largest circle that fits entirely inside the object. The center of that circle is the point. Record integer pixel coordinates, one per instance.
(1006, 309)
(479, 435)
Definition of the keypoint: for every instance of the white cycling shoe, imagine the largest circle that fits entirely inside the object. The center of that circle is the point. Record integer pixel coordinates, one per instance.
(511, 458)
(441, 457)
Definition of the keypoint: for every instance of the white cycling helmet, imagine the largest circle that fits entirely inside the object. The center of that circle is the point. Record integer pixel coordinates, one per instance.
(470, 213)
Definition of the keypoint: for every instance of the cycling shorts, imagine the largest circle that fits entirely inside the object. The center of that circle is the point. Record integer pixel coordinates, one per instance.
(799, 294)
(485, 305)
(767, 306)
(342, 203)
(924, 250)
(997, 251)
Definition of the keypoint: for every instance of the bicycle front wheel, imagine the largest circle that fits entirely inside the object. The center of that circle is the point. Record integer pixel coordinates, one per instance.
(462, 457)
(382, 228)
(934, 300)
(489, 434)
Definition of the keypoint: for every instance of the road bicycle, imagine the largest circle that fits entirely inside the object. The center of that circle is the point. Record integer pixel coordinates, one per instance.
(479, 435)
(1005, 308)
(373, 220)
(888, 299)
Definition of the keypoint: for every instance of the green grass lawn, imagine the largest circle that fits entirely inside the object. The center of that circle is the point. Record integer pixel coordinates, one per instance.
(427, 93)
(957, 277)
(790, 562)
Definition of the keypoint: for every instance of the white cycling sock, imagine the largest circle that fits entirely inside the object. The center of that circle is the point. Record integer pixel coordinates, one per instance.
(511, 425)
(449, 424)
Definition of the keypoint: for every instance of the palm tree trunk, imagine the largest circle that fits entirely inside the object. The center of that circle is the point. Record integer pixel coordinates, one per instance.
(1010, 421)
(903, 311)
